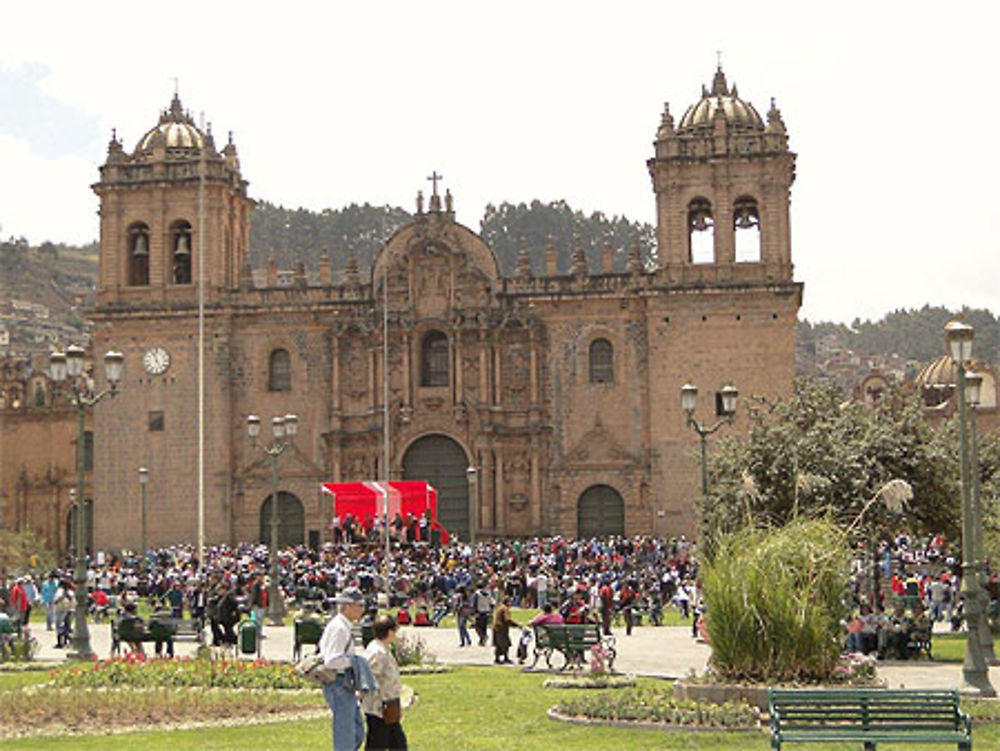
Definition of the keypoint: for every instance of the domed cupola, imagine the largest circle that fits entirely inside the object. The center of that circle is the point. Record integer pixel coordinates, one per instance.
(724, 102)
(176, 133)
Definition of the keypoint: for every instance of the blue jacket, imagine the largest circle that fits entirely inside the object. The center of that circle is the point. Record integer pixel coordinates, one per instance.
(364, 681)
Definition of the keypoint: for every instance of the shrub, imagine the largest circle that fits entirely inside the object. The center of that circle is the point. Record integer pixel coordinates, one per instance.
(657, 705)
(774, 602)
(22, 649)
(590, 681)
(411, 650)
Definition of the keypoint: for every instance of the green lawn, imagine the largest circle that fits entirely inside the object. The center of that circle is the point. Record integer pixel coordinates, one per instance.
(950, 647)
(471, 709)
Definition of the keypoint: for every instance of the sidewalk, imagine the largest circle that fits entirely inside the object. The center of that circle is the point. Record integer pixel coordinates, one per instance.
(666, 652)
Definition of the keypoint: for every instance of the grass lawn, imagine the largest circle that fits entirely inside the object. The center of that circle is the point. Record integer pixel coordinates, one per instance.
(950, 647)
(471, 709)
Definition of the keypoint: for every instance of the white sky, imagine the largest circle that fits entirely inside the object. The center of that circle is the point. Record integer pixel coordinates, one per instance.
(891, 106)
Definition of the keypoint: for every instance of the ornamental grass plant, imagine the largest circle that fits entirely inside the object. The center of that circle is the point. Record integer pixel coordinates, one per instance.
(775, 600)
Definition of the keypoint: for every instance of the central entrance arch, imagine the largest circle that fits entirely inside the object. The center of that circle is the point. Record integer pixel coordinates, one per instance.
(600, 512)
(441, 461)
(291, 520)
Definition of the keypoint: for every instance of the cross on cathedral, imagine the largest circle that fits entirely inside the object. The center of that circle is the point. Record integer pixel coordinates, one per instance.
(434, 180)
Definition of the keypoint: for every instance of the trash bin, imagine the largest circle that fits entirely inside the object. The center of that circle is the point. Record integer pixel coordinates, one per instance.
(249, 638)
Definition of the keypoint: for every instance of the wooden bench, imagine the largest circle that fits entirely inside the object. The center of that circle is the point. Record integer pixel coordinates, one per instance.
(868, 716)
(573, 641)
(130, 632)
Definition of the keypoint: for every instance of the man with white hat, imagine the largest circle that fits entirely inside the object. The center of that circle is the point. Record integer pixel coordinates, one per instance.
(337, 647)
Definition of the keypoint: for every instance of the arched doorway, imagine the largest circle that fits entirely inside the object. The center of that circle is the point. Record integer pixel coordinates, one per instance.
(291, 520)
(442, 462)
(600, 512)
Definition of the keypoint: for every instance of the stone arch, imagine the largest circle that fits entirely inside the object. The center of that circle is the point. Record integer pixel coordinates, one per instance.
(443, 462)
(701, 231)
(137, 262)
(746, 230)
(291, 520)
(600, 512)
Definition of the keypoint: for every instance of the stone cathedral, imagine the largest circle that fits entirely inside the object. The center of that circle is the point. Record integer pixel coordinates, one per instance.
(536, 404)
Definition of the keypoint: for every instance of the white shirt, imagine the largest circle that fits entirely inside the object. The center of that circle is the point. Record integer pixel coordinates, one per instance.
(337, 643)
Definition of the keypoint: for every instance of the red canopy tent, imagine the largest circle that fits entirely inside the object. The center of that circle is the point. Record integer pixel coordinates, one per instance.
(405, 497)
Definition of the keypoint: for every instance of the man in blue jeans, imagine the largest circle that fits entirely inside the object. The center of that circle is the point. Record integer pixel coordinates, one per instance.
(337, 647)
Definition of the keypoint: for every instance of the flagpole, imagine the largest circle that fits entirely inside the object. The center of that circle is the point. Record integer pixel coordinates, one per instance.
(385, 417)
(201, 353)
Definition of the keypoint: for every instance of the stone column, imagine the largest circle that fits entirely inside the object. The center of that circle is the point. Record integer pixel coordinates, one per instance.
(335, 374)
(534, 369)
(500, 523)
(459, 387)
(407, 386)
(536, 485)
(484, 370)
(486, 492)
(497, 374)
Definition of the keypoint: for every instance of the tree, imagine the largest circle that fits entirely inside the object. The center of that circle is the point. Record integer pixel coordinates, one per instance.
(814, 455)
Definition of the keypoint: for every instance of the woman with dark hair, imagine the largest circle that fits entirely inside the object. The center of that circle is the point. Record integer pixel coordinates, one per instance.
(383, 708)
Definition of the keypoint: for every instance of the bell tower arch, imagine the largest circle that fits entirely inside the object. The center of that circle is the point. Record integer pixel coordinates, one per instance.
(156, 200)
(722, 179)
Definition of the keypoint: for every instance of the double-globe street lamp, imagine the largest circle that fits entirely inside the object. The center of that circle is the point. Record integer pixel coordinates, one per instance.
(67, 373)
(281, 427)
(975, 672)
(689, 400)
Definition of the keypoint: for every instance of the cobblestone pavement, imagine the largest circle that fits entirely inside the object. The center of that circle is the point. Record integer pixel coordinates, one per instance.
(660, 652)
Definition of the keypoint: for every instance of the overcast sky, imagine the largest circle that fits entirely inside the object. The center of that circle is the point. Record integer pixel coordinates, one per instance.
(892, 108)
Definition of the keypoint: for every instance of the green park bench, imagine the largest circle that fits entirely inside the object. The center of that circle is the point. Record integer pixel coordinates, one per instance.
(134, 632)
(868, 716)
(305, 632)
(573, 641)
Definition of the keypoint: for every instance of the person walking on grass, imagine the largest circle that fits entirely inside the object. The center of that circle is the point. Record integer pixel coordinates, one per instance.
(383, 708)
(337, 647)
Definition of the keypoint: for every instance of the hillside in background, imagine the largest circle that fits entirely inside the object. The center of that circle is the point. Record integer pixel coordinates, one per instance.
(293, 235)
(44, 289)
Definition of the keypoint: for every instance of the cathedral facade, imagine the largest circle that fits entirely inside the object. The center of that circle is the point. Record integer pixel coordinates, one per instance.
(535, 403)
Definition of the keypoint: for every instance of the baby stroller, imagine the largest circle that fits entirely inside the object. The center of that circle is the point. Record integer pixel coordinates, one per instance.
(522, 646)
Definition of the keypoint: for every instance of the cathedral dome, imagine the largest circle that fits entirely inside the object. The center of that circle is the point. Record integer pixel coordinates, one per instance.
(737, 112)
(176, 130)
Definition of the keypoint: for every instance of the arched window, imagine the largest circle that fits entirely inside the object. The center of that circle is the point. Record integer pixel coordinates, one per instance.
(434, 360)
(602, 361)
(180, 249)
(746, 230)
(39, 395)
(701, 231)
(138, 255)
(279, 371)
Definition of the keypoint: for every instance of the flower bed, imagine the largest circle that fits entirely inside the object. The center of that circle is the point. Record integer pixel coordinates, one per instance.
(136, 671)
(590, 681)
(657, 705)
(47, 711)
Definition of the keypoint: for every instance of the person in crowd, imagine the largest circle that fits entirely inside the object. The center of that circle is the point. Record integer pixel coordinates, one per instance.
(130, 618)
(382, 708)
(258, 602)
(48, 594)
(62, 604)
(483, 603)
(502, 621)
(18, 603)
(229, 613)
(462, 605)
(548, 615)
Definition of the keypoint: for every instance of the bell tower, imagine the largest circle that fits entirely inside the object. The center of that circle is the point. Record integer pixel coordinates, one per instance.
(153, 203)
(722, 179)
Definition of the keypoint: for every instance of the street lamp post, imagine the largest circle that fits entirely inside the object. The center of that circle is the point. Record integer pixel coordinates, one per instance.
(473, 476)
(689, 400)
(67, 374)
(143, 482)
(973, 388)
(281, 427)
(975, 673)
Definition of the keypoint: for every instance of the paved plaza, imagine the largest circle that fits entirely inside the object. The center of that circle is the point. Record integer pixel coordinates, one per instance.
(665, 652)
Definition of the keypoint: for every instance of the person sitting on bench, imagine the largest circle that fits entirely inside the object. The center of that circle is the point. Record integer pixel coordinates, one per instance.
(133, 623)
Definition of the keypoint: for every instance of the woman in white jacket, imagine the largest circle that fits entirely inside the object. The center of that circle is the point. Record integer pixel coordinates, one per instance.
(382, 708)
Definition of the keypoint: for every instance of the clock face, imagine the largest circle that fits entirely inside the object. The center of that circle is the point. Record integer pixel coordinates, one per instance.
(156, 361)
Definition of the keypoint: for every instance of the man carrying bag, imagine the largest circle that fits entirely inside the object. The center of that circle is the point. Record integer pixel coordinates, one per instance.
(337, 648)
